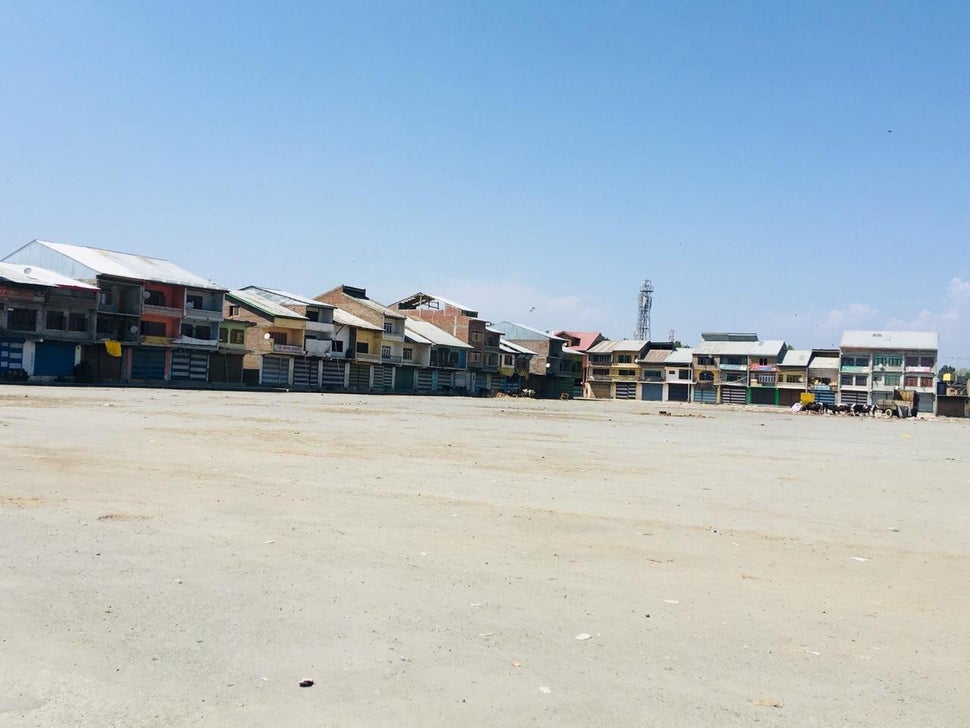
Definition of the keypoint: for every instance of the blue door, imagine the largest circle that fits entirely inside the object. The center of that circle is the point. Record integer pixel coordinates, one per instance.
(11, 354)
(54, 359)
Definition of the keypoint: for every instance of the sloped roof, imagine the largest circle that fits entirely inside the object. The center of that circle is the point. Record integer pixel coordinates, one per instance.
(606, 347)
(728, 336)
(285, 297)
(345, 318)
(684, 355)
(824, 362)
(511, 348)
(270, 308)
(128, 265)
(725, 348)
(769, 347)
(522, 332)
(570, 351)
(432, 334)
(360, 296)
(32, 275)
(921, 340)
(586, 338)
(796, 358)
(655, 356)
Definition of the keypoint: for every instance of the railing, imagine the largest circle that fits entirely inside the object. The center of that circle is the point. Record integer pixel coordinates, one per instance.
(322, 328)
(203, 314)
(158, 340)
(391, 358)
(390, 336)
(163, 310)
(374, 358)
(192, 341)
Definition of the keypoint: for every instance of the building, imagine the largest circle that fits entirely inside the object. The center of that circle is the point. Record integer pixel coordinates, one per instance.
(875, 363)
(165, 318)
(679, 377)
(273, 338)
(308, 371)
(44, 319)
(553, 371)
(792, 376)
(581, 341)
(823, 375)
(390, 355)
(354, 353)
(763, 359)
(720, 366)
(446, 368)
(627, 369)
(514, 366)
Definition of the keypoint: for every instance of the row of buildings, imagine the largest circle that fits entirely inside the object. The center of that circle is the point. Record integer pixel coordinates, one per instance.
(78, 313)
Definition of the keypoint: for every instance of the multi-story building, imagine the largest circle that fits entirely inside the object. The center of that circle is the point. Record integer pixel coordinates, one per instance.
(792, 376)
(553, 371)
(354, 353)
(165, 318)
(613, 368)
(581, 341)
(514, 366)
(44, 319)
(763, 361)
(679, 377)
(447, 358)
(736, 368)
(354, 300)
(273, 339)
(823, 375)
(875, 363)
(307, 371)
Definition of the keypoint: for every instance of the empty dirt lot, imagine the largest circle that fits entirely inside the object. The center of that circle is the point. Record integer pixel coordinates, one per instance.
(187, 558)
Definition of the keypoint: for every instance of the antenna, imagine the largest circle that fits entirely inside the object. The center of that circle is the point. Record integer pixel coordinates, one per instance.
(670, 336)
(644, 304)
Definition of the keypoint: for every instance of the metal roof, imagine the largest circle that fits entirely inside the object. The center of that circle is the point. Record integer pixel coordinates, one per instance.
(128, 265)
(360, 296)
(586, 338)
(522, 332)
(684, 355)
(922, 340)
(511, 348)
(769, 347)
(725, 348)
(345, 318)
(32, 275)
(432, 334)
(414, 337)
(728, 336)
(573, 352)
(606, 347)
(655, 356)
(796, 358)
(270, 308)
(824, 362)
(284, 297)
(420, 298)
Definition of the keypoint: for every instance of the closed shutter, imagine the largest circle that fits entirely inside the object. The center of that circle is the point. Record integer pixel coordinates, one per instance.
(626, 390)
(383, 376)
(359, 376)
(854, 397)
(54, 359)
(762, 395)
(599, 390)
(734, 395)
(305, 373)
(707, 396)
(425, 380)
(333, 375)
(678, 392)
(651, 392)
(404, 381)
(11, 354)
(276, 371)
(824, 395)
(148, 364)
(189, 365)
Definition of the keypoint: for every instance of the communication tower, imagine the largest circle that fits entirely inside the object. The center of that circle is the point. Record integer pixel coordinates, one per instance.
(644, 305)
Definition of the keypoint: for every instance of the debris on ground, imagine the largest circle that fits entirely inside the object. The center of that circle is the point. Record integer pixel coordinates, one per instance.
(306, 683)
(767, 703)
(583, 636)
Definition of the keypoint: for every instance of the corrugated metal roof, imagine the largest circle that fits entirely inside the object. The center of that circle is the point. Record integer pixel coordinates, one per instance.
(684, 355)
(768, 347)
(432, 334)
(824, 362)
(606, 347)
(796, 358)
(128, 265)
(344, 318)
(920, 340)
(511, 348)
(270, 308)
(284, 297)
(425, 297)
(586, 338)
(728, 336)
(723, 348)
(522, 332)
(33, 275)
(573, 352)
(414, 337)
(655, 356)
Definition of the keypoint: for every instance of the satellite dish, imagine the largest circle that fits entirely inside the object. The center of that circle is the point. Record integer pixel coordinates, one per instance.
(133, 329)
(145, 295)
(266, 335)
(28, 270)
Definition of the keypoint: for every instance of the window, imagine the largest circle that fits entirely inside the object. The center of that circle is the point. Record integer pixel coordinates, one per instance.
(508, 360)
(855, 361)
(278, 337)
(926, 381)
(186, 330)
(628, 372)
(476, 337)
(599, 358)
(705, 361)
(154, 298)
(491, 340)
(338, 346)
(362, 347)
(624, 359)
(475, 358)
(910, 381)
(313, 315)
(234, 310)
(203, 332)
(705, 377)
(77, 322)
(22, 319)
(56, 321)
(408, 353)
(854, 380)
(385, 352)
(683, 374)
(491, 360)
(652, 374)
(792, 378)
(927, 361)
(601, 372)
(152, 328)
(193, 301)
(766, 378)
(224, 336)
(106, 298)
(891, 380)
(388, 327)
(886, 360)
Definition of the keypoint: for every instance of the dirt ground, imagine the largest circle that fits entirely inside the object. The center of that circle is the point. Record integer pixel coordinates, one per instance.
(175, 558)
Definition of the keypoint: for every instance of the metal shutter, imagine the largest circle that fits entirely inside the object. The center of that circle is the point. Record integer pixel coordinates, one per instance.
(650, 392)
(333, 375)
(305, 373)
(276, 371)
(734, 395)
(626, 390)
(11, 354)
(148, 364)
(190, 365)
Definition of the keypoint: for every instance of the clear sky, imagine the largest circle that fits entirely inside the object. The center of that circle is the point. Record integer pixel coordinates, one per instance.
(788, 169)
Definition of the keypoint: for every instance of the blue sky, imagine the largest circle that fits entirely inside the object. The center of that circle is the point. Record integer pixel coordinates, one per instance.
(788, 170)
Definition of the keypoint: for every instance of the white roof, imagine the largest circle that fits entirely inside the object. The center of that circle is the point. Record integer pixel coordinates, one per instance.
(683, 355)
(768, 347)
(796, 358)
(270, 308)
(605, 347)
(508, 346)
(276, 294)
(344, 318)
(432, 334)
(922, 340)
(127, 265)
(574, 352)
(726, 348)
(824, 362)
(33, 275)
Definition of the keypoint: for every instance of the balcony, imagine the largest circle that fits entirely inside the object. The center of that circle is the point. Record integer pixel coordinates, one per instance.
(319, 327)
(373, 358)
(201, 314)
(162, 311)
(193, 341)
(288, 349)
(848, 369)
(389, 336)
(654, 378)
(733, 367)
(318, 347)
(391, 358)
(918, 370)
(156, 340)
